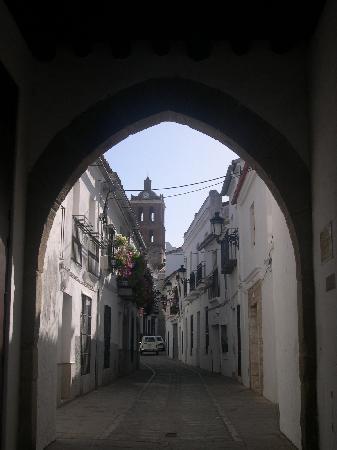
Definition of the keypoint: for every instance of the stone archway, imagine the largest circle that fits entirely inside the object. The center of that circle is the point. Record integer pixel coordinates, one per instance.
(108, 122)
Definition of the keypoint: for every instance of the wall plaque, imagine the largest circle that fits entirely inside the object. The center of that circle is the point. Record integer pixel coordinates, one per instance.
(326, 243)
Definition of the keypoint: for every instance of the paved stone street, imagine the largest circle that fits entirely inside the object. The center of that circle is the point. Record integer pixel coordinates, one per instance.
(169, 405)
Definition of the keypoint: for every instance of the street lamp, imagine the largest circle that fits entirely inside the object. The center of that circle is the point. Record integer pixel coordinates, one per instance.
(228, 236)
(217, 223)
(182, 272)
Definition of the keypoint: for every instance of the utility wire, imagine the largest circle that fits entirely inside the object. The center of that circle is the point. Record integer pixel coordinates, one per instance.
(195, 190)
(176, 187)
(184, 193)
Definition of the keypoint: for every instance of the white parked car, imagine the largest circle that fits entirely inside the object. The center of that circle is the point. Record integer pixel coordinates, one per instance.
(148, 344)
(160, 343)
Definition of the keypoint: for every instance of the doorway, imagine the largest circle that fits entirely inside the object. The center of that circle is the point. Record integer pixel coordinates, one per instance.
(255, 338)
(198, 340)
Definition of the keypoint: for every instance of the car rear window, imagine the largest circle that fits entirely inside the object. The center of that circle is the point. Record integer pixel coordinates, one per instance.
(149, 339)
(159, 338)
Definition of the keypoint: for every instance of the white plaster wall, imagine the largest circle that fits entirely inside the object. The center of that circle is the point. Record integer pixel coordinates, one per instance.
(253, 268)
(220, 310)
(173, 261)
(286, 327)
(75, 280)
(281, 382)
(51, 321)
(47, 345)
(324, 188)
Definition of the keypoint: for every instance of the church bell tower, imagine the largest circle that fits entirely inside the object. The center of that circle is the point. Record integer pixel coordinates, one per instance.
(149, 209)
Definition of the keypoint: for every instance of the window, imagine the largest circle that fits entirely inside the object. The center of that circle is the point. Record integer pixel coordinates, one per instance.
(110, 251)
(93, 257)
(206, 330)
(191, 330)
(214, 258)
(140, 214)
(252, 224)
(224, 339)
(92, 213)
(182, 342)
(77, 242)
(107, 336)
(151, 236)
(152, 215)
(192, 281)
(63, 219)
(214, 287)
(132, 338)
(85, 335)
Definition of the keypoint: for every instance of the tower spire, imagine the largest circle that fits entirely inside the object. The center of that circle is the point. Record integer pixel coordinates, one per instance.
(147, 184)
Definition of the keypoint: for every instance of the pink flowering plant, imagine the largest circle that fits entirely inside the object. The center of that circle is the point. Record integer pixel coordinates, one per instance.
(125, 254)
(132, 268)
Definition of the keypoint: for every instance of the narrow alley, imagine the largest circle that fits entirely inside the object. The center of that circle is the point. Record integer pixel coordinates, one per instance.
(166, 404)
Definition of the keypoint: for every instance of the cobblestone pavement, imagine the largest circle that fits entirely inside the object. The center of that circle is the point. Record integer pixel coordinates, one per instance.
(169, 405)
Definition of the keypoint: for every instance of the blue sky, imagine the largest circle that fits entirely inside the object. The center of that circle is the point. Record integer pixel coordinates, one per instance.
(171, 155)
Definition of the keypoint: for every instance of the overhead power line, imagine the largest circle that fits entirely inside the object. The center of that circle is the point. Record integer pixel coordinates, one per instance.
(188, 192)
(177, 187)
(195, 190)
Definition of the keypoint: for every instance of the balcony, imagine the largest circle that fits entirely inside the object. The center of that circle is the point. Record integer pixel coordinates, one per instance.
(229, 247)
(200, 278)
(192, 281)
(213, 286)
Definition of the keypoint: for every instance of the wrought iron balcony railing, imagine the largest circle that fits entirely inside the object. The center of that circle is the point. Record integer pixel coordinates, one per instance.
(213, 285)
(229, 248)
(200, 273)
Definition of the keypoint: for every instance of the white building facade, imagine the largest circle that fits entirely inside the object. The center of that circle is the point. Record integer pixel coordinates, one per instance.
(238, 308)
(89, 326)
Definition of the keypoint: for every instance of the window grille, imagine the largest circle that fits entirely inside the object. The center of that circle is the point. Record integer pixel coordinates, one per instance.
(110, 247)
(229, 247)
(200, 273)
(206, 330)
(214, 287)
(185, 288)
(93, 257)
(85, 335)
(62, 231)
(192, 281)
(77, 243)
(191, 330)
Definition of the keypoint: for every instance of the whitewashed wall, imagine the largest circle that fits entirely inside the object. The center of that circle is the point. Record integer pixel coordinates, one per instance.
(281, 382)
(63, 283)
